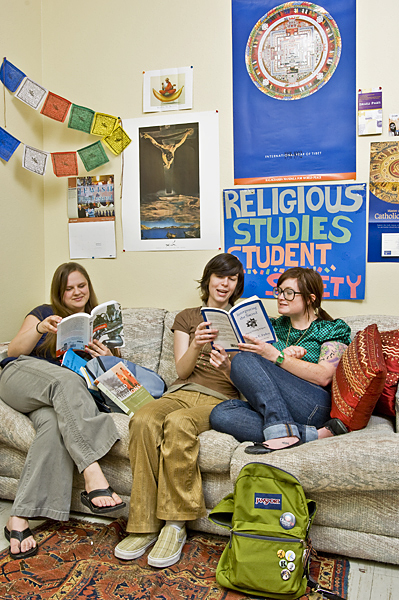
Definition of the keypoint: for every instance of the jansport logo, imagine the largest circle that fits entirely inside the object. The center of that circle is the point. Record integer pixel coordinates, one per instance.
(270, 501)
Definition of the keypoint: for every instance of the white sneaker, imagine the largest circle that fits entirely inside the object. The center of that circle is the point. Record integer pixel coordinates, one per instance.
(169, 546)
(134, 545)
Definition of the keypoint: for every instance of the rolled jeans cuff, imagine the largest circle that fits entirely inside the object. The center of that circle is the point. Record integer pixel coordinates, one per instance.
(281, 430)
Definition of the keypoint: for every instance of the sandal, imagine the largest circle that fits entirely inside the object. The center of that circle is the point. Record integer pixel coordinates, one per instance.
(87, 497)
(260, 448)
(336, 426)
(20, 536)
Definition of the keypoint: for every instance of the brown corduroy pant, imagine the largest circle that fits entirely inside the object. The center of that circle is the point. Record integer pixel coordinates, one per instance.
(163, 453)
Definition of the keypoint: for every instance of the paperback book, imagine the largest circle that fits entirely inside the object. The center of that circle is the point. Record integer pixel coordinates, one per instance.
(120, 385)
(103, 324)
(249, 317)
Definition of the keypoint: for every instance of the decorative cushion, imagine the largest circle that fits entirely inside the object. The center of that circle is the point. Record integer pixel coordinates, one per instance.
(359, 379)
(390, 349)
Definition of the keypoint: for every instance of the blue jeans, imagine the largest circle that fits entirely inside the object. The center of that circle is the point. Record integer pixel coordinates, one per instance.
(279, 404)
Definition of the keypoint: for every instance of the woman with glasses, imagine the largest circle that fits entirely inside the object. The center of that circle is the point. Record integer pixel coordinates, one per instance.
(286, 384)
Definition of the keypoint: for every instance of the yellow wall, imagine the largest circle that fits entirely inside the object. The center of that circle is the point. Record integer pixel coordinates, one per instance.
(93, 53)
(22, 276)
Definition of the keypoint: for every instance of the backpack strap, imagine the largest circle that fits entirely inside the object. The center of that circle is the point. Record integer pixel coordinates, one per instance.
(222, 514)
(327, 594)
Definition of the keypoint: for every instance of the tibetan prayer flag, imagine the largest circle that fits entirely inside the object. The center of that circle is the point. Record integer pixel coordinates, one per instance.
(34, 160)
(8, 144)
(55, 107)
(31, 93)
(65, 164)
(81, 118)
(93, 156)
(103, 124)
(10, 75)
(117, 141)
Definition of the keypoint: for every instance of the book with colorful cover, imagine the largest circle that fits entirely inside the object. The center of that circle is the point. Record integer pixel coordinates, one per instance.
(121, 386)
(103, 324)
(248, 317)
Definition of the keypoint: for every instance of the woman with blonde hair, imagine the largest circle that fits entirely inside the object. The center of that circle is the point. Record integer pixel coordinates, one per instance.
(69, 428)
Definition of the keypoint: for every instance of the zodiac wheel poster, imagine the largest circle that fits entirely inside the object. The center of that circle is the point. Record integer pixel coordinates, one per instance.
(294, 91)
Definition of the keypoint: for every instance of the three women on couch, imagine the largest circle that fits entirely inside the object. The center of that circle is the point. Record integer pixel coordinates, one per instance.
(69, 428)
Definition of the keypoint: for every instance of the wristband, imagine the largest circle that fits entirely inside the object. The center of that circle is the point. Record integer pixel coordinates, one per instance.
(279, 360)
(39, 332)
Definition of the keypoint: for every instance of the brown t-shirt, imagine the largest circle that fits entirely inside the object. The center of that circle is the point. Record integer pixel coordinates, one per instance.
(204, 374)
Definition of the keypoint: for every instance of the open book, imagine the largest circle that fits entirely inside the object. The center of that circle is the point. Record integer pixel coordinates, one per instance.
(103, 324)
(120, 385)
(249, 317)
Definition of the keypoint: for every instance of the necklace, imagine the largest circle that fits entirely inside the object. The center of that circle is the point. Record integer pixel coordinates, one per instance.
(300, 337)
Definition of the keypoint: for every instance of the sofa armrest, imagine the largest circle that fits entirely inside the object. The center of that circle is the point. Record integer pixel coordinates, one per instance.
(3, 350)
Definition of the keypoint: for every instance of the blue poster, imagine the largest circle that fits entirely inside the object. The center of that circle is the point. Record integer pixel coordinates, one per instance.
(383, 230)
(384, 202)
(294, 91)
(320, 226)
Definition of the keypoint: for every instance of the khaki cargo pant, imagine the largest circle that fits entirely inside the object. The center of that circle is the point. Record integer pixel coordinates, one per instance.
(163, 452)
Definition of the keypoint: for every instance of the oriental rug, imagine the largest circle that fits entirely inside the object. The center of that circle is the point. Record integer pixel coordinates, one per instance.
(76, 560)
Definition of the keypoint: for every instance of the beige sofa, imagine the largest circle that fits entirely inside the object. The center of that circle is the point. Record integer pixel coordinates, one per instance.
(354, 478)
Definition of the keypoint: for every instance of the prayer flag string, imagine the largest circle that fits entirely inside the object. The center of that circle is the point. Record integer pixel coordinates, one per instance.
(65, 164)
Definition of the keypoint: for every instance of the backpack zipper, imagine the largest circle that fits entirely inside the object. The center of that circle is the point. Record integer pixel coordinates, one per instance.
(265, 537)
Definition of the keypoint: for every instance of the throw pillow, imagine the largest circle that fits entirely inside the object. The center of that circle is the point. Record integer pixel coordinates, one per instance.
(390, 349)
(359, 379)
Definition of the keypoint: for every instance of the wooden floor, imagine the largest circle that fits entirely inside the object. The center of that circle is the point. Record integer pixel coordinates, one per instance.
(367, 580)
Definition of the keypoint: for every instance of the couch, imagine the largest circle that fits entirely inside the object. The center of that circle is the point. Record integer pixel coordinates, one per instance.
(353, 477)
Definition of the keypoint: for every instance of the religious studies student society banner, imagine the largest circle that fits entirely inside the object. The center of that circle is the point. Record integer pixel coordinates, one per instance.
(322, 227)
(294, 91)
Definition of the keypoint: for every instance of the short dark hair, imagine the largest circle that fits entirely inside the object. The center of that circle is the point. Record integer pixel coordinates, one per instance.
(309, 283)
(223, 265)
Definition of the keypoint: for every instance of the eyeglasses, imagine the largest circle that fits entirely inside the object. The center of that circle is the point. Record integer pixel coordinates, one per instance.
(288, 293)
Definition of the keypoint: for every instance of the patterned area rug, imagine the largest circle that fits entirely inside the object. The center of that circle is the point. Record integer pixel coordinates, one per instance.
(76, 560)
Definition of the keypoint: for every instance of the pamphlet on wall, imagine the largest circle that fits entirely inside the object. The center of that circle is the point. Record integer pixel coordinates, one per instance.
(103, 324)
(370, 111)
(249, 317)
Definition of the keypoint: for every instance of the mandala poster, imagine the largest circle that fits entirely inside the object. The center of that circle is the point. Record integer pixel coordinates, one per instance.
(294, 91)
(384, 202)
(321, 227)
(171, 194)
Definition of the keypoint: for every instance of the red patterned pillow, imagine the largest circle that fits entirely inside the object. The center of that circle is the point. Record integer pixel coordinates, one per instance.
(390, 349)
(359, 379)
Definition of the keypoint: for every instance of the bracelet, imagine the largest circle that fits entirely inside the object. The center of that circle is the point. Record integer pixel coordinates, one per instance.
(279, 359)
(39, 332)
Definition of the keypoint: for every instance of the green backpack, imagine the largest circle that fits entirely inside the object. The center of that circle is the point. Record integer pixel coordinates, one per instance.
(269, 519)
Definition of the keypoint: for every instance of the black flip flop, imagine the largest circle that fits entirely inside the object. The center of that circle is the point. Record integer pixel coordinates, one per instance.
(87, 498)
(20, 536)
(259, 448)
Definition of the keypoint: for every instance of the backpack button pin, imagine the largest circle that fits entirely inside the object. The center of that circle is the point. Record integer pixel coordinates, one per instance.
(283, 564)
(280, 553)
(285, 574)
(290, 555)
(291, 566)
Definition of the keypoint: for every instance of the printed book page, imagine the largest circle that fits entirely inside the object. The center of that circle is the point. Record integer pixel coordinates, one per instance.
(227, 338)
(73, 332)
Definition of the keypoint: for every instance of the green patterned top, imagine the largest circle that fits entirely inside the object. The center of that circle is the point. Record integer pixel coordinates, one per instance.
(313, 338)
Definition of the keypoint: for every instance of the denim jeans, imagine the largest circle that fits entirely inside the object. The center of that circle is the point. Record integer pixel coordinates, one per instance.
(278, 403)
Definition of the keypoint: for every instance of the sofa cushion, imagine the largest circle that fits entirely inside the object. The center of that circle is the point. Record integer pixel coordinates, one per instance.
(390, 349)
(167, 367)
(143, 329)
(359, 379)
